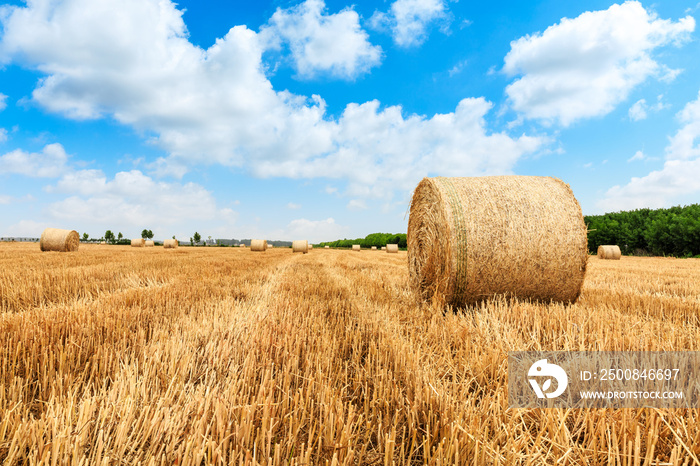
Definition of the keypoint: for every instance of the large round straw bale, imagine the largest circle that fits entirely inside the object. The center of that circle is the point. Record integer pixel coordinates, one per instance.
(355, 247)
(311, 246)
(55, 239)
(326, 247)
(149, 244)
(138, 243)
(473, 238)
(609, 252)
(258, 245)
(170, 244)
(300, 245)
(392, 248)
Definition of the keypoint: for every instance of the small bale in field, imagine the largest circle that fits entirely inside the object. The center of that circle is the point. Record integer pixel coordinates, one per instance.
(374, 248)
(392, 248)
(170, 244)
(383, 248)
(138, 243)
(241, 245)
(150, 244)
(326, 247)
(301, 245)
(311, 246)
(473, 238)
(610, 252)
(56, 239)
(355, 247)
(258, 245)
(103, 242)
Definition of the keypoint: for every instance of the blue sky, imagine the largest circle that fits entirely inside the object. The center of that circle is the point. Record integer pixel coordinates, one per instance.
(289, 120)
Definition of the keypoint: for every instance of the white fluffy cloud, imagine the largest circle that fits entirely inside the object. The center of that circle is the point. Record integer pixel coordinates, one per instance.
(409, 20)
(49, 163)
(584, 67)
(313, 230)
(133, 200)
(130, 60)
(679, 176)
(638, 111)
(3, 103)
(333, 44)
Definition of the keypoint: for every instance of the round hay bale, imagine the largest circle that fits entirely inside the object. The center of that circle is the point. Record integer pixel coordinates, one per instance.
(138, 243)
(55, 239)
(392, 248)
(150, 244)
(326, 247)
(383, 248)
(611, 252)
(258, 245)
(170, 244)
(472, 238)
(241, 245)
(103, 242)
(301, 245)
(355, 247)
(374, 248)
(311, 246)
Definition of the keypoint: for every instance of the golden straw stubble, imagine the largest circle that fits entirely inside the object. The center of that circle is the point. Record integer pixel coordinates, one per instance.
(609, 252)
(473, 238)
(56, 239)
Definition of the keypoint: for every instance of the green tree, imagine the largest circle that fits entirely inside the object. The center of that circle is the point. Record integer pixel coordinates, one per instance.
(109, 236)
(150, 234)
(120, 236)
(144, 234)
(197, 237)
(85, 236)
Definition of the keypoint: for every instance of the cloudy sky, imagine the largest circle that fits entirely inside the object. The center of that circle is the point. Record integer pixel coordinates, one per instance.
(317, 119)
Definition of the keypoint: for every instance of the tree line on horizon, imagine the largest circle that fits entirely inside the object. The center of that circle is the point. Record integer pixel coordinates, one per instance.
(373, 239)
(674, 231)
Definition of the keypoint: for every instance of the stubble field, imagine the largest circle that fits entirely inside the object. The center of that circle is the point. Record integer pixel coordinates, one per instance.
(117, 355)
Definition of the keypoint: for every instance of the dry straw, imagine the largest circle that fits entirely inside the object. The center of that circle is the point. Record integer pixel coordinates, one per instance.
(392, 248)
(170, 244)
(355, 247)
(301, 245)
(609, 252)
(473, 238)
(258, 245)
(55, 239)
(150, 244)
(138, 243)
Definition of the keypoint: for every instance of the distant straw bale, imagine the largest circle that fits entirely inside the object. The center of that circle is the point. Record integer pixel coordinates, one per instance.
(301, 245)
(241, 245)
(170, 244)
(611, 252)
(326, 247)
(472, 238)
(150, 244)
(55, 239)
(356, 247)
(258, 245)
(138, 243)
(392, 248)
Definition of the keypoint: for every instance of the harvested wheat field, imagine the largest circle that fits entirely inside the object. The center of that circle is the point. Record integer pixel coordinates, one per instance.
(115, 355)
